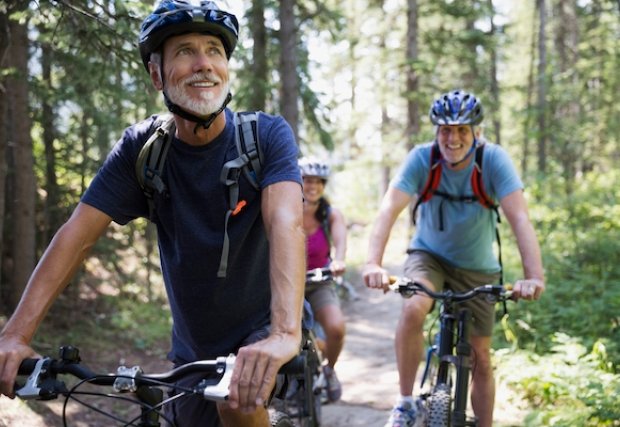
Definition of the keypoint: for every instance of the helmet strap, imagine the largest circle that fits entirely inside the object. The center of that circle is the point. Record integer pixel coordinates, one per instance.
(469, 153)
(200, 122)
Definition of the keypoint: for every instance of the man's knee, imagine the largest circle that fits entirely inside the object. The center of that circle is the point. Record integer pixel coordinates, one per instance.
(415, 311)
(482, 362)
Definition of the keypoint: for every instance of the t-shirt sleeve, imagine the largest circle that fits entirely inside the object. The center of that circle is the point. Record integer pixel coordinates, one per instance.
(410, 175)
(503, 175)
(280, 151)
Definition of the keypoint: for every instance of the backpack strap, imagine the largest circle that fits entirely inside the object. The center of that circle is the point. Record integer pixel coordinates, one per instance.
(246, 139)
(432, 183)
(249, 163)
(151, 158)
(476, 181)
(484, 199)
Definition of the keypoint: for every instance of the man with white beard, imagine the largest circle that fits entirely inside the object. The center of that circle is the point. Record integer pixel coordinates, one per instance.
(254, 308)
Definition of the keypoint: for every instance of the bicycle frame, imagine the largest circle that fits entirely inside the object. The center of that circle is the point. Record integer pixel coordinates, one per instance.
(447, 402)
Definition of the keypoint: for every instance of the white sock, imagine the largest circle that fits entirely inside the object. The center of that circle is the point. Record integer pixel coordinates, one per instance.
(405, 399)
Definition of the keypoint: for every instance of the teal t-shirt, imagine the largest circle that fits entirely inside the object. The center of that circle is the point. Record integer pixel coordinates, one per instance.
(468, 234)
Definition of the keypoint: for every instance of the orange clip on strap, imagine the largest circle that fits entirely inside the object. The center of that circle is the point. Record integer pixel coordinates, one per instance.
(239, 206)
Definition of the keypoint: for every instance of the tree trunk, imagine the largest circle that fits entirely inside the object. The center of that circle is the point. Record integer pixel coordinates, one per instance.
(4, 46)
(542, 85)
(258, 99)
(413, 119)
(52, 218)
(22, 203)
(528, 103)
(289, 91)
(494, 83)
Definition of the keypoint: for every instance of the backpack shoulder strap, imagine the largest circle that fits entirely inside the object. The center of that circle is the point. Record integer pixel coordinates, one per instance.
(151, 159)
(486, 201)
(248, 145)
(476, 181)
(248, 162)
(432, 182)
(250, 155)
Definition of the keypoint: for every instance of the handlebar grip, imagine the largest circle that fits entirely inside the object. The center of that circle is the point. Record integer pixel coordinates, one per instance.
(27, 366)
(296, 365)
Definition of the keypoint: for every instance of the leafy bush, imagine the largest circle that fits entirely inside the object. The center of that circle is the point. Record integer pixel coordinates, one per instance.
(580, 241)
(566, 386)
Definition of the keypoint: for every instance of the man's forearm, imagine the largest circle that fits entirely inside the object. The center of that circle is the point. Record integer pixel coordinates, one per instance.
(283, 215)
(287, 281)
(378, 240)
(529, 250)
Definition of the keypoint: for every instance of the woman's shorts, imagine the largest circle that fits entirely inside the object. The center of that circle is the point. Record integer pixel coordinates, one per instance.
(321, 294)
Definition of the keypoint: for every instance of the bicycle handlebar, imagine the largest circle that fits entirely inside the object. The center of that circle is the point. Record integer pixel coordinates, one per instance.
(319, 275)
(43, 385)
(407, 288)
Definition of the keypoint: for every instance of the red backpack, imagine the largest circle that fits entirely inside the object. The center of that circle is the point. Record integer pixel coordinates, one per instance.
(434, 177)
(430, 189)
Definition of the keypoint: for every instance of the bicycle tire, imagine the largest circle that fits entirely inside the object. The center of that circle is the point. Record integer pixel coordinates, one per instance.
(438, 405)
(316, 411)
(280, 419)
(311, 410)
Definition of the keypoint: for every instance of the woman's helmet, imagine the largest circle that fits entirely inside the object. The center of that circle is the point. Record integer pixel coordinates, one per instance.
(314, 167)
(175, 17)
(456, 108)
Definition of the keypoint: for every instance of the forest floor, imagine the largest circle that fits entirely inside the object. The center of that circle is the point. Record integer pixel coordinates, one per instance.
(367, 370)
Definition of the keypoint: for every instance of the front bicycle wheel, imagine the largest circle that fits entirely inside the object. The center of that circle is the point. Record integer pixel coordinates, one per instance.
(310, 406)
(438, 404)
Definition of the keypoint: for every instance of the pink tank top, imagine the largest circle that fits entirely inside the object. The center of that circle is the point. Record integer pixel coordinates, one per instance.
(317, 249)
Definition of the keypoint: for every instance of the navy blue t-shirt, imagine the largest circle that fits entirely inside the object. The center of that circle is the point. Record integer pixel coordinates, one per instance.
(211, 315)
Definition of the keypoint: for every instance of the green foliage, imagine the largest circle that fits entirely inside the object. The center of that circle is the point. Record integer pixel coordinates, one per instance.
(567, 385)
(142, 323)
(580, 240)
(569, 368)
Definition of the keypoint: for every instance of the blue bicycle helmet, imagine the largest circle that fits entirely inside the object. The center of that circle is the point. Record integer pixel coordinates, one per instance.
(175, 17)
(456, 108)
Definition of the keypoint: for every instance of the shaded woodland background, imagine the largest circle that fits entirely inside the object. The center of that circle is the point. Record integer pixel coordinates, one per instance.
(354, 79)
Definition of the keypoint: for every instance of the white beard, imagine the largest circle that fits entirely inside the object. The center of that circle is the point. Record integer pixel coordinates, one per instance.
(208, 103)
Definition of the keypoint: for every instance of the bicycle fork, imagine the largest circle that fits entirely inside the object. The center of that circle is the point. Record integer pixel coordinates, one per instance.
(463, 369)
(455, 349)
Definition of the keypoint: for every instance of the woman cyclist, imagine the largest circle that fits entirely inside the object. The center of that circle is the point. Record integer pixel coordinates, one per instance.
(325, 227)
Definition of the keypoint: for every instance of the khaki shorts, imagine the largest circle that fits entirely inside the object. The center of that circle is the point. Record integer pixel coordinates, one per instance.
(421, 264)
(321, 294)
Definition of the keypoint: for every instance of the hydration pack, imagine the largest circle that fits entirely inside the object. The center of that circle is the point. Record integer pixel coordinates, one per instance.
(152, 156)
(430, 189)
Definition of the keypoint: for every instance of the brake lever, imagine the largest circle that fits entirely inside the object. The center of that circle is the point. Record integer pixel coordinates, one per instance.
(42, 383)
(219, 392)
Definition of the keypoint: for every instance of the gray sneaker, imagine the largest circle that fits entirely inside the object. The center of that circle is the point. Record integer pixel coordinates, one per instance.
(334, 389)
(405, 415)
